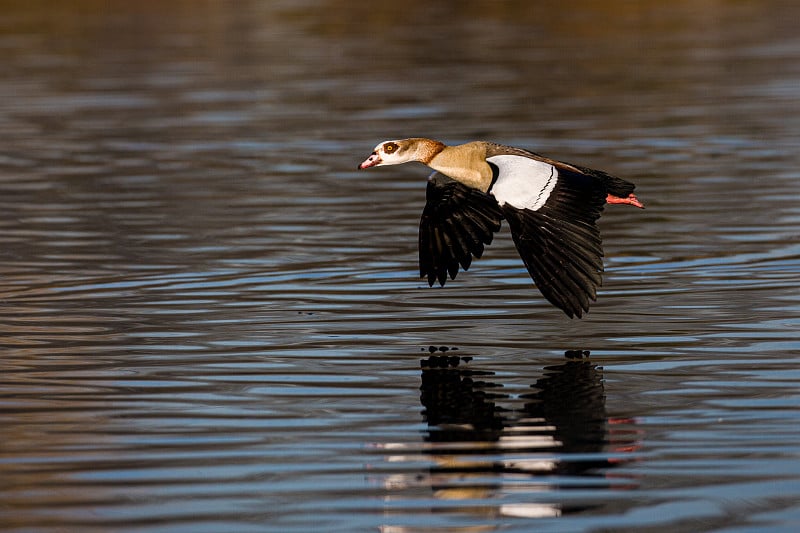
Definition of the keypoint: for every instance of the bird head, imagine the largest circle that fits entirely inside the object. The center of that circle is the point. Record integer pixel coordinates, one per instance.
(389, 153)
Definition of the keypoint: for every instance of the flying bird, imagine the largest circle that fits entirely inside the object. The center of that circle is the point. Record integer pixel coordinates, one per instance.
(551, 208)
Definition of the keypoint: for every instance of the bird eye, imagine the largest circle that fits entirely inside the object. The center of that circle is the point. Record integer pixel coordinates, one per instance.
(389, 147)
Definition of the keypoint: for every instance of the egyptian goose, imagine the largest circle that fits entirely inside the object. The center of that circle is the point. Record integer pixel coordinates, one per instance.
(551, 208)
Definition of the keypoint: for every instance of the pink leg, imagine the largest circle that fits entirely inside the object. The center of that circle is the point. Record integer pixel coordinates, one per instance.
(631, 199)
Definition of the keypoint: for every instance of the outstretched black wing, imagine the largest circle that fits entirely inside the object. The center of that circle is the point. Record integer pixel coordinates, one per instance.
(560, 242)
(456, 224)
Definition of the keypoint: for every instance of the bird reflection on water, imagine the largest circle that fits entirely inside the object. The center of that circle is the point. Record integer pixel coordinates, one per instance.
(486, 443)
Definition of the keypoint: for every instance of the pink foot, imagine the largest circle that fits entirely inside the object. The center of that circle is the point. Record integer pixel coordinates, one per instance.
(631, 199)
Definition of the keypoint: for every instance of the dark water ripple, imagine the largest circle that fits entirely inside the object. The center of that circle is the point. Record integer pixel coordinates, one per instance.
(210, 321)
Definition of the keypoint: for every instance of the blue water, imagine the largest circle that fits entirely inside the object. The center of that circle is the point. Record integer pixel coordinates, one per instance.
(210, 321)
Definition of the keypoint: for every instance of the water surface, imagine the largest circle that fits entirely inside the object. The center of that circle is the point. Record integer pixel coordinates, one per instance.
(211, 321)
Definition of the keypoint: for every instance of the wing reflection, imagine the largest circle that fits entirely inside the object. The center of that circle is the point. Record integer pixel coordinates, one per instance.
(487, 441)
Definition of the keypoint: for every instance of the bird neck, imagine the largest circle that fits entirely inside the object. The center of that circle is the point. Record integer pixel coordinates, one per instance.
(465, 163)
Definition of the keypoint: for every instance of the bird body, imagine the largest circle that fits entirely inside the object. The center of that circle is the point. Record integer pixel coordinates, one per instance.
(551, 207)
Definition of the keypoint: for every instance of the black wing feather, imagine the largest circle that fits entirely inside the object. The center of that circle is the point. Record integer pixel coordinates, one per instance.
(560, 242)
(456, 224)
(614, 185)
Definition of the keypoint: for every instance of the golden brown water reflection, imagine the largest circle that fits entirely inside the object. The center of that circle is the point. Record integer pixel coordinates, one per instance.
(211, 321)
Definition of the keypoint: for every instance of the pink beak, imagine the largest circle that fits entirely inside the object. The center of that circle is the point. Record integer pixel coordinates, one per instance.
(371, 161)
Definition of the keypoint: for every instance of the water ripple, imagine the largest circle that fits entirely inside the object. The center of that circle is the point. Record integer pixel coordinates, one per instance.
(211, 321)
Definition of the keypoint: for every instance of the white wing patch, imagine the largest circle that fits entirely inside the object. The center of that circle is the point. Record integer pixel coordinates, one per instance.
(523, 182)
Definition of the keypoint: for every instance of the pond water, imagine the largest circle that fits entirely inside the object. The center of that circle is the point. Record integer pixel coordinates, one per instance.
(210, 321)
